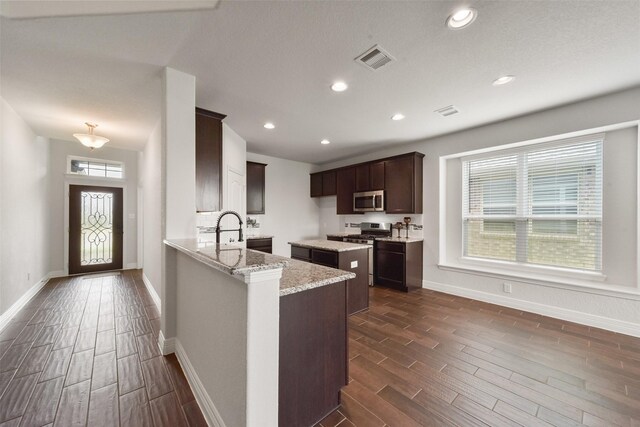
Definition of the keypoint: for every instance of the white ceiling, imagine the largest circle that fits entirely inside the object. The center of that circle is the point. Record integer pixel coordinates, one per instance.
(274, 61)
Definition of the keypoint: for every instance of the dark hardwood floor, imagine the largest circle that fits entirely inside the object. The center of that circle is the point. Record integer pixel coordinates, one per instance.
(428, 358)
(84, 352)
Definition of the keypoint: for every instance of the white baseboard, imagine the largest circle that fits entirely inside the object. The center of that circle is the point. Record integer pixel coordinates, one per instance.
(58, 273)
(152, 292)
(6, 317)
(211, 414)
(615, 325)
(131, 266)
(166, 345)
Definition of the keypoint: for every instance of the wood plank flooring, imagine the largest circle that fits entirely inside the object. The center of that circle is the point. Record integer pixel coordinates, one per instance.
(84, 352)
(428, 358)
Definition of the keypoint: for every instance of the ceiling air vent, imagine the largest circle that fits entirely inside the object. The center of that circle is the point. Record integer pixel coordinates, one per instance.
(374, 58)
(449, 110)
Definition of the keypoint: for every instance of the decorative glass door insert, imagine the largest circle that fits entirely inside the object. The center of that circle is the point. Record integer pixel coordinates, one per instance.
(95, 228)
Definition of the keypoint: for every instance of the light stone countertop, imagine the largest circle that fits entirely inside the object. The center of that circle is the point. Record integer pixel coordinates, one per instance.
(234, 260)
(329, 245)
(230, 259)
(400, 239)
(341, 234)
(301, 276)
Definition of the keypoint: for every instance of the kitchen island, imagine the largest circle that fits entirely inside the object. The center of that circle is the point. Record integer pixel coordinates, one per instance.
(263, 337)
(346, 256)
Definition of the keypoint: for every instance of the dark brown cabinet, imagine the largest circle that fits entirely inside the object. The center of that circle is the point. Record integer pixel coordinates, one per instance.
(262, 244)
(346, 180)
(208, 160)
(313, 364)
(403, 184)
(370, 176)
(400, 177)
(355, 261)
(398, 265)
(323, 184)
(255, 188)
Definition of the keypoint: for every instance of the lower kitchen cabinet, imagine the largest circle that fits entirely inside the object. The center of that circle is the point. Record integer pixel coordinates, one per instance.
(260, 244)
(313, 354)
(398, 264)
(355, 261)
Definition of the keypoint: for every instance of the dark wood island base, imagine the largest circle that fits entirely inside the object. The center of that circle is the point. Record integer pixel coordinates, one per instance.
(313, 354)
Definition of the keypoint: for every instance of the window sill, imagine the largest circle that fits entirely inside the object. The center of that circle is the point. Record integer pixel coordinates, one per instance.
(583, 282)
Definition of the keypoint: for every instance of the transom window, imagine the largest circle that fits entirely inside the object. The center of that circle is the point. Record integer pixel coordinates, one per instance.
(95, 167)
(538, 205)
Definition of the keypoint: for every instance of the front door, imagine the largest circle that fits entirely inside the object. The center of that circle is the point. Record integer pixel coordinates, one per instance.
(95, 229)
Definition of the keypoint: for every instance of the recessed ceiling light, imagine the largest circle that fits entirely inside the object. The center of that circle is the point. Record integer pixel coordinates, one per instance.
(398, 116)
(503, 80)
(339, 87)
(461, 18)
(325, 142)
(269, 125)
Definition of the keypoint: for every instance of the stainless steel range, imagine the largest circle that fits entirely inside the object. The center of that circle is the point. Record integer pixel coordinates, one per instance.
(368, 233)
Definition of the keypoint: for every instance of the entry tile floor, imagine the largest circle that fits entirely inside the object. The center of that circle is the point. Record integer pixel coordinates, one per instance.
(84, 352)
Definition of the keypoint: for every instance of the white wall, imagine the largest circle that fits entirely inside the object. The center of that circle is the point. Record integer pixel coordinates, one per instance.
(602, 308)
(150, 184)
(178, 154)
(24, 217)
(290, 214)
(59, 200)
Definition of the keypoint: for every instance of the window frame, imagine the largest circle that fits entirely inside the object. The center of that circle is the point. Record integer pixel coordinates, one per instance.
(71, 158)
(524, 217)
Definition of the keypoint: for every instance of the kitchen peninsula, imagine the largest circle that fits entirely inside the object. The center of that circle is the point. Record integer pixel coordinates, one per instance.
(276, 328)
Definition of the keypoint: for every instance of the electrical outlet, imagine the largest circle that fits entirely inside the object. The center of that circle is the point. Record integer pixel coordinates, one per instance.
(506, 287)
(346, 224)
(354, 264)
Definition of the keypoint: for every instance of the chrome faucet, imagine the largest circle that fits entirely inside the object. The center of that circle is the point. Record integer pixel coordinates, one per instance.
(239, 230)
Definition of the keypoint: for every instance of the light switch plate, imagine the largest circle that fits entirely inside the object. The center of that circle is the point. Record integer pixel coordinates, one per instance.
(354, 264)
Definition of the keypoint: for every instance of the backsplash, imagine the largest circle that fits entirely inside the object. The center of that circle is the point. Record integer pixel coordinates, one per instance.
(351, 223)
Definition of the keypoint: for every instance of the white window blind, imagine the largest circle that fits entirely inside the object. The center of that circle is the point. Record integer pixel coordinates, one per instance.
(537, 205)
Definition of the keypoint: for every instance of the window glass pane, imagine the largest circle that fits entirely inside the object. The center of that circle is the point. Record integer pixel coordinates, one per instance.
(500, 243)
(552, 216)
(571, 244)
(96, 168)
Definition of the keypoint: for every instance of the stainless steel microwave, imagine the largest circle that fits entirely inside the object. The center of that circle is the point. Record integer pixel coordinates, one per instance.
(368, 201)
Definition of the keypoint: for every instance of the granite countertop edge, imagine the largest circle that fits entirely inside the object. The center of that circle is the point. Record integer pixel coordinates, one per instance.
(329, 245)
(233, 271)
(317, 284)
(291, 268)
(340, 234)
(400, 239)
(259, 236)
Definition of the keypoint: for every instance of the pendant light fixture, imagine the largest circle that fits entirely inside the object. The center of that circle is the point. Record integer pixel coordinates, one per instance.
(89, 139)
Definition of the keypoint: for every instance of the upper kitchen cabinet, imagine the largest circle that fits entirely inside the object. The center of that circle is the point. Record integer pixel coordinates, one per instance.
(403, 183)
(323, 184)
(255, 188)
(370, 176)
(208, 160)
(346, 183)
